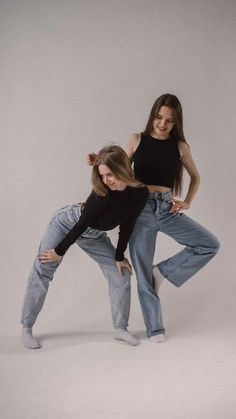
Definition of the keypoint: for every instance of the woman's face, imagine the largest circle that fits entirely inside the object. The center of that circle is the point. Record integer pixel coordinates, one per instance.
(109, 179)
(163, 123)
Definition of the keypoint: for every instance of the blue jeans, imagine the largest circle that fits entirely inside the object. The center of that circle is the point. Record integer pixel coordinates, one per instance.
(200, 247)
(98, 246)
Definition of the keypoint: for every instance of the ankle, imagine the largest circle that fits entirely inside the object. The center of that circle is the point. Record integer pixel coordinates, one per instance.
(28, 340)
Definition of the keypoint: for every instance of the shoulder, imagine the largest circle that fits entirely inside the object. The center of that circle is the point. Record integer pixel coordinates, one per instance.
(94, 198)
(134, 138)
(184, 148)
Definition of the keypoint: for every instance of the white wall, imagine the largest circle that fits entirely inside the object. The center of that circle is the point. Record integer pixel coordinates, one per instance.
(78, 74)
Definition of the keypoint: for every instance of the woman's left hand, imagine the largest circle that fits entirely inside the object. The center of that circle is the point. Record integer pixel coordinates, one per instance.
(124, 264)
(179, 206)
(49, 256)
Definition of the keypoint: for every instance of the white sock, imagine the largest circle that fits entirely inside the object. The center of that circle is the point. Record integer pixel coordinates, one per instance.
(28, 340)
(157, 338)
(125, 336)
(157, 278)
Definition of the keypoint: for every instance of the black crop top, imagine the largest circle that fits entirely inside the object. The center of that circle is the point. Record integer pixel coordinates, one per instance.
(156, 161)
(118, 208)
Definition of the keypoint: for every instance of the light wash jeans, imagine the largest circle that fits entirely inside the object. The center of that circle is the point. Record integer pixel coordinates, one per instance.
(200, 247)
(98, 246)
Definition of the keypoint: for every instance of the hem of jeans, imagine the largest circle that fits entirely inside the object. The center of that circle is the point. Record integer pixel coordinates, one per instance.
(178, 284)
(157, 265)
(28, 326)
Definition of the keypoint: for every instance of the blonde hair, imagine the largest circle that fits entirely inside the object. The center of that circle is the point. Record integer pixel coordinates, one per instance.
(116, 159)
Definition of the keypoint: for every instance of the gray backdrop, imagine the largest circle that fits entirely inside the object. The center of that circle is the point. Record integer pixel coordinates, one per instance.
(76, 75)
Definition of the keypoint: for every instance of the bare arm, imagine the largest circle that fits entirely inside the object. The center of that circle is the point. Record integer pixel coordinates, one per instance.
(132, 145)
(190, 166)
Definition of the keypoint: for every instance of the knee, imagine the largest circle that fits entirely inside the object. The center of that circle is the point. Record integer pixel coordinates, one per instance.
(215, 246)
(210, 247)
(45, 271)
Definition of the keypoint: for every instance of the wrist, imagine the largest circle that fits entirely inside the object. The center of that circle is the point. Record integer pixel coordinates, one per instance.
(188, 201)
(57, 253)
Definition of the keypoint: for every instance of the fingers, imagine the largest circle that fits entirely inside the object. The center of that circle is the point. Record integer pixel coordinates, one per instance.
(91, 158)
(124, 264)
(44, 257)
(119, 269)
(129, 267)
(177, 206)
(48, 256)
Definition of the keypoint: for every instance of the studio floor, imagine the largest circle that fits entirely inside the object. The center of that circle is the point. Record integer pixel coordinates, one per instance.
(85, 375)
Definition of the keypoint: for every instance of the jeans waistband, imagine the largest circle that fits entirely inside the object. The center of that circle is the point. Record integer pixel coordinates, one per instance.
(162, 196)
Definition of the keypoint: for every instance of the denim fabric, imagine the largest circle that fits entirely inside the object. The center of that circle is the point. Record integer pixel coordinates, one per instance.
(98, 246)
(200, 247)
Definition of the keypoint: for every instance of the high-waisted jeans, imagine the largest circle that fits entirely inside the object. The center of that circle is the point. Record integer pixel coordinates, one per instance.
(200, 247)
(98, 246)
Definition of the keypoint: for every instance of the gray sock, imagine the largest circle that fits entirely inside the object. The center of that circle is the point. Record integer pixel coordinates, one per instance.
(157, 338)
(125, 336)
(28, 340)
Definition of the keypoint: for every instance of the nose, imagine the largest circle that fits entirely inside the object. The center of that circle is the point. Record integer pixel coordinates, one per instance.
(162, 123)
(104, 178)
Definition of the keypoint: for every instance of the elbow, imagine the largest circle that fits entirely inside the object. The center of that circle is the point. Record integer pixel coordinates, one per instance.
(198, 180)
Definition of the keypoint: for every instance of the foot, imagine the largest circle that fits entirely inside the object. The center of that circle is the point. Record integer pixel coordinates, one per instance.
(125, 336)
(157, 338)
(157, 278)
(28, 340)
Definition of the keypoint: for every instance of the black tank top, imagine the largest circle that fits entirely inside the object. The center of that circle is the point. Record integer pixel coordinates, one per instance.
(156, 161)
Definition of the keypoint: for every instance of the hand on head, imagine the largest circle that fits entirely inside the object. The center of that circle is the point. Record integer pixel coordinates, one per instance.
(91, 158)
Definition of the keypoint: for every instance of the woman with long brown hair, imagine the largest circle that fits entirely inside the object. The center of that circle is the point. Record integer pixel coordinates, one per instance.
(159, 155)
(116, 200)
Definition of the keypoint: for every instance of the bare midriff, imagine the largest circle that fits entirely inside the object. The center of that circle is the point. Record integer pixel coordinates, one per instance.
(157, 188)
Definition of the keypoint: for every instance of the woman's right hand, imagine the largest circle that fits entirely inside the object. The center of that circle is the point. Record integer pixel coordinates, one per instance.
(124, 264)
(48, 256)
(91, 158)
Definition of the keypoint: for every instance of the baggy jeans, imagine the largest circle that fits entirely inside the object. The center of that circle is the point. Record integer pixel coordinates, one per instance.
(98, 246)
(200, 247)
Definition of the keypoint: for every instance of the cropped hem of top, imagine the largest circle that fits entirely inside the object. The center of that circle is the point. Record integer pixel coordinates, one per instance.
(156, 162)
(118, 208)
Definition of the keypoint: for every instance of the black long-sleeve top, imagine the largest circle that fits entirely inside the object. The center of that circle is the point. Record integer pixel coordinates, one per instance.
(118, 208)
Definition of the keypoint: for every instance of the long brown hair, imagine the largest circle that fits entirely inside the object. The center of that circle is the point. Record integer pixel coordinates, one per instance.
(116, 159)
(176, 133)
